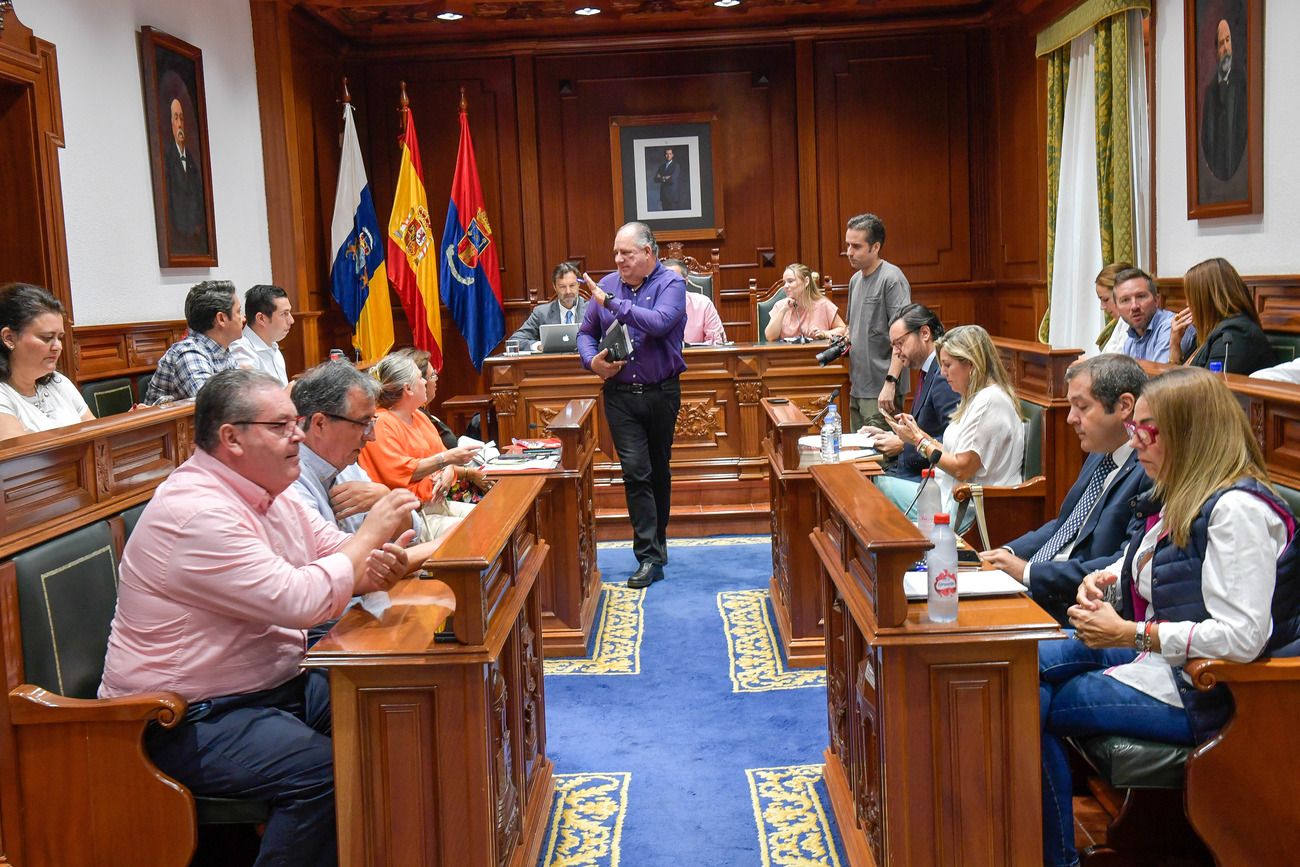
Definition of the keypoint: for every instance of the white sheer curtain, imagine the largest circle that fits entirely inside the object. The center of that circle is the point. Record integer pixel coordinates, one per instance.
(1075, 315)
(1139, 131)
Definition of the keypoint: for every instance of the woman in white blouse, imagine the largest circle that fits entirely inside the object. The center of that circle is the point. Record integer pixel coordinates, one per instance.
(33, 396)
(985, 440)
(1211, 573)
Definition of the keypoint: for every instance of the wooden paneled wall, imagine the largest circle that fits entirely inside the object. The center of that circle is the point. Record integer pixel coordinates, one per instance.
(934, 128)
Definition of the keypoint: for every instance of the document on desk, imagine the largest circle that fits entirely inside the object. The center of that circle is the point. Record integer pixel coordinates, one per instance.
(983, 582)
(507, 463)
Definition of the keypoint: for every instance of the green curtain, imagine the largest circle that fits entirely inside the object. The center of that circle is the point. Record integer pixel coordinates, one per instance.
(1058, 79)
(1114, 159)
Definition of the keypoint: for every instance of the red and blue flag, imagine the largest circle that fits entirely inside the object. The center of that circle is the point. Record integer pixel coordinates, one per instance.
(470, 269)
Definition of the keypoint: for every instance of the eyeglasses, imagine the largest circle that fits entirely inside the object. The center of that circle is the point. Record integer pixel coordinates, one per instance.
(1145, 434)
(283, 429)
(898, 344)
(368, 425)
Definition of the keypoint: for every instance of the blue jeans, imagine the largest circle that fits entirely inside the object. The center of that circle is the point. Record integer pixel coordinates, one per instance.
(272, 745)
(1076, 698)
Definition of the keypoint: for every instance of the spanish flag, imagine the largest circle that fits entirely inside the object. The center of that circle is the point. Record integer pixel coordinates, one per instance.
(412, 253)
(359, 281)
(471, 276)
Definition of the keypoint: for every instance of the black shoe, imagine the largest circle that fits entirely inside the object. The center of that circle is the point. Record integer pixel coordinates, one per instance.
(645, 575)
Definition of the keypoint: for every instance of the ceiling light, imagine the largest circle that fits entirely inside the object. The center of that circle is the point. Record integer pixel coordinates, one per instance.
(449, 16)
(726, 4)
(586, 10)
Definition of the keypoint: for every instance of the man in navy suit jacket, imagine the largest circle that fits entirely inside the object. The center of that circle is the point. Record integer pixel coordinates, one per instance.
(566, 278)
(1093, 526)
(912, 335)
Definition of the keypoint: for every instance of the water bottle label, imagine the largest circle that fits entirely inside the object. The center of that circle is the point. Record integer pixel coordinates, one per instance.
(945, 583)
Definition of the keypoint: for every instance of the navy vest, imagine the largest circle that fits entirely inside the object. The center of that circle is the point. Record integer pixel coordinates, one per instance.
(1177, 595)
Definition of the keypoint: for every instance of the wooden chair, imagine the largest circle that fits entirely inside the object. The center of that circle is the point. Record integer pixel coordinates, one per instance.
(762, 302)
(1012, 510)
(108, 396)
(701, 278)
(90, 795)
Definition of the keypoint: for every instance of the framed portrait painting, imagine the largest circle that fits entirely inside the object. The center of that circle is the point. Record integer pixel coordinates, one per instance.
(664, 174)
(1224, 69)
(177, 130)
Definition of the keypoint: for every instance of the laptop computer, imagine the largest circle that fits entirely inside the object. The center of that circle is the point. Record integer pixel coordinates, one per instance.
(560, 338)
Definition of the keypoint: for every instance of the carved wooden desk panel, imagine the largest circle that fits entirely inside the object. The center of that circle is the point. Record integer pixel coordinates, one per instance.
(57, 480)
(440, 748)
(570, 579)
(934, 732)
(795, 588)
(718, 459)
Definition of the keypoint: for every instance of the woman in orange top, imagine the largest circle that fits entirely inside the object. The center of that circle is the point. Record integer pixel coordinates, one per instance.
(407, 451)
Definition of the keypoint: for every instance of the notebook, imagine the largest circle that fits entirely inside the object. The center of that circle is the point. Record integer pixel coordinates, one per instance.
(617, 342)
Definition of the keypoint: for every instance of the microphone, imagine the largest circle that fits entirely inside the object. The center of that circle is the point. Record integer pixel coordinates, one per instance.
(1227, 348)
(830, 401)
(934, 460)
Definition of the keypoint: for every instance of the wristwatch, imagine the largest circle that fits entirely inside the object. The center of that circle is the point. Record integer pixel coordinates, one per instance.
(890, 378)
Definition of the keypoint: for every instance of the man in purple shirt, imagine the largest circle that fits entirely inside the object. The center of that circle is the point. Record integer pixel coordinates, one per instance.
(642, 394)
(219, 582)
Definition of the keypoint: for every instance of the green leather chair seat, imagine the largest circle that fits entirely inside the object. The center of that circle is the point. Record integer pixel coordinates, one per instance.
(131, 517)
(1130, 763)
(765, 313)
(1285, 346)
(67, 594)
(1033, 465)
(108, 396)
(142, 385)
(1291, 497)
(701, 283)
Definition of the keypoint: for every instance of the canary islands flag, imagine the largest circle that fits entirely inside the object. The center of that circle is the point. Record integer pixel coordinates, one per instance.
(360, 283)
(471, 276)
(412, 257)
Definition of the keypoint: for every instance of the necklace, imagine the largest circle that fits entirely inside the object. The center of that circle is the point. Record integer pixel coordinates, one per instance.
(40, 400)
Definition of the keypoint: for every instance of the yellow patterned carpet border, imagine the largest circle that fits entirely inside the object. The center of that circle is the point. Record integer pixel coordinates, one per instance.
(752, 648)
(793, 830)
(618, 636)
(695, 543)
(586, 825)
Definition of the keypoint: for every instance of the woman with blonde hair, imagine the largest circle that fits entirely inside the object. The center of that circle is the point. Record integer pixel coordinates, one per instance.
(407, 450)
(1226, 321)
(985, 440)
(1211, 572)
(1111, 338)
(806, 311)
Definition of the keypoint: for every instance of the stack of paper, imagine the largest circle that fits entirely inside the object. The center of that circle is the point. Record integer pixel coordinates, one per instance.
(986, 582)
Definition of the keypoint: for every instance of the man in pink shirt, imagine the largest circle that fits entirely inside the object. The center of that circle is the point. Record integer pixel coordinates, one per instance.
(219, 582)
(703, 325)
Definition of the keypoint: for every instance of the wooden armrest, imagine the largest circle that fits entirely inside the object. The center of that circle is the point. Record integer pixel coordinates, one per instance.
(1035, 487)
(32, 705)
(1207, 673)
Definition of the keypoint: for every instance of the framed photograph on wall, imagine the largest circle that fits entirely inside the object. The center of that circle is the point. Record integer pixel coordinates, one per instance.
(664, 174)
(1224, 68)
(176, 123)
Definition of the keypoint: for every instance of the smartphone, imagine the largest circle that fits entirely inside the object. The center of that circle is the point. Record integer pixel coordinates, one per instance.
(778, 400)
(968, 555)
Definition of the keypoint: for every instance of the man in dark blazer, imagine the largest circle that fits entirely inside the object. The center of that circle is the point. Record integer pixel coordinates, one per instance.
(567, 307)
(1096, 517)
(669, 178)
(186, 211)
(912, 335)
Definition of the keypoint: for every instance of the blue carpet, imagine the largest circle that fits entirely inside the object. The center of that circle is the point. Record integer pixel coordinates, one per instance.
(678, 729)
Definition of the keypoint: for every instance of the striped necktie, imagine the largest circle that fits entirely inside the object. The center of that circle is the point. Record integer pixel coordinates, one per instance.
(1070, 527)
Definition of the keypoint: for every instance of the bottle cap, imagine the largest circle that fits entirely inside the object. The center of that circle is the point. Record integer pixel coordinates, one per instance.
(941, 517)
(927, 473)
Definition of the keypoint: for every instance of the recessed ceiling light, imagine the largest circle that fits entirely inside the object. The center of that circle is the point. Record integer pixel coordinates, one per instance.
(449, 16)
(586, 10)
(726, 4)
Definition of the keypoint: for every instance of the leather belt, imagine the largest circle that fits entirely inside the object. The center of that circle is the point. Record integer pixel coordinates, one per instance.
(639, 387)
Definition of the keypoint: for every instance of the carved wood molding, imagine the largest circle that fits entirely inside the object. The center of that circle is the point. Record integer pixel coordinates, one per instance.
(1277, 298)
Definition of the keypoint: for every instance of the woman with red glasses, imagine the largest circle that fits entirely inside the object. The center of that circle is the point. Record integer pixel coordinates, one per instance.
(1210, 573)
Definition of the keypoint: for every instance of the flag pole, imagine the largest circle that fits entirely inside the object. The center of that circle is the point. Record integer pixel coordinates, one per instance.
(463, 104)
(404, 108)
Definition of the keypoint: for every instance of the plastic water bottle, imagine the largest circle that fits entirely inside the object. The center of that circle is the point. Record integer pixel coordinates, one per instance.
(928, 503)
(831, 435)
(941, 563)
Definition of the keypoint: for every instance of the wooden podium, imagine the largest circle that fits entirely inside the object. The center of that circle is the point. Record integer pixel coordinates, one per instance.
(934, 727)
(440, 747)
(570, 579)
(795, 589)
